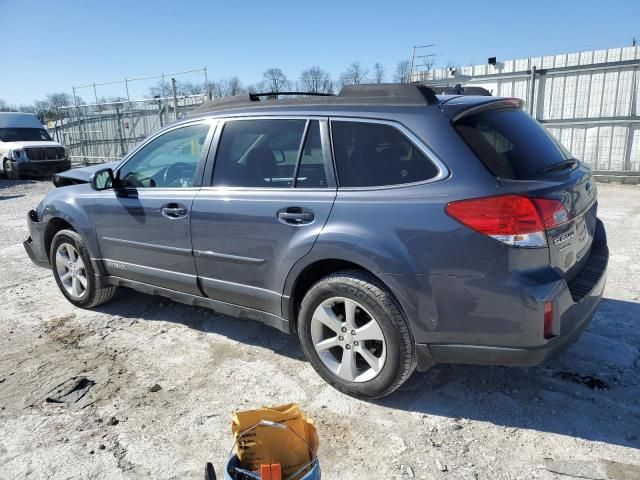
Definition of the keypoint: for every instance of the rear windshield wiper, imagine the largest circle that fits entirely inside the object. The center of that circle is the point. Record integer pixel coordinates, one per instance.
(570, 163)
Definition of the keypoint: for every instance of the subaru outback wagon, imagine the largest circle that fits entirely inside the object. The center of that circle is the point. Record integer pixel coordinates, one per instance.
(389, 227)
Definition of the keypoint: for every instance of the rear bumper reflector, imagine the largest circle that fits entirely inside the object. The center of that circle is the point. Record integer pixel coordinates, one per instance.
(548, 320)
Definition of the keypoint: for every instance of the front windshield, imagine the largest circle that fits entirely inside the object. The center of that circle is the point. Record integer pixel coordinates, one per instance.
(24, 135)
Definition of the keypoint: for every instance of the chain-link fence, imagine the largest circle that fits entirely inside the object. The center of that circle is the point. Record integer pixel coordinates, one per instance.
(104, 132)
(106, 128)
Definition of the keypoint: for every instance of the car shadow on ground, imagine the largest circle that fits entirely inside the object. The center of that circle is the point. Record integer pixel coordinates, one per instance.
(132, 304)
(590, 391)
(586, 392)
(6, 183)
(9, 197)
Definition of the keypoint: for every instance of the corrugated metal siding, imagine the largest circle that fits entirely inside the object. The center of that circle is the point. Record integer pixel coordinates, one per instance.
(594, 113)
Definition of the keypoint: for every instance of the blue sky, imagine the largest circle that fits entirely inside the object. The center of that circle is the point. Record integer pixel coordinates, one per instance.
(50, 46)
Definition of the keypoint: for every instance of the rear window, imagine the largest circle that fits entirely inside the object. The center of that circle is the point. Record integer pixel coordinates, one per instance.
(510, 143)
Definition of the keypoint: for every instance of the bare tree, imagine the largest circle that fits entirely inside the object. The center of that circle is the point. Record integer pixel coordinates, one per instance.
(56, 100)
(26, 109)
(378, 73)
(161, 89)
(211, 87)
(354, 75)
(315, 80)
(47, 109)
(275, 80)
(402, 71)
(226, 87)
(42, 109)
(234, 86)
(188, 88)
(5, 107)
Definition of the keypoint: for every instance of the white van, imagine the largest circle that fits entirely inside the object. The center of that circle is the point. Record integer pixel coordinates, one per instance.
(26, 147)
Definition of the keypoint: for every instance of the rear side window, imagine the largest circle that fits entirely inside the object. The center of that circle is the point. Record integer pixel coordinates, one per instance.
(510, 143)
(375, 155)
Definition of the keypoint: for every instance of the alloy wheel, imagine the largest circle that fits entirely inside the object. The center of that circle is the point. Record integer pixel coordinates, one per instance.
(71, 270)
(348, 339)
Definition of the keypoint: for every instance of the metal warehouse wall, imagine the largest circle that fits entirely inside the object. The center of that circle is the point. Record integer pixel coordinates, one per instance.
(588, 100)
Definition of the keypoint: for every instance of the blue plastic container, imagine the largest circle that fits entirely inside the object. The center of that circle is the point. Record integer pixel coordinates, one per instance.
(313, 474)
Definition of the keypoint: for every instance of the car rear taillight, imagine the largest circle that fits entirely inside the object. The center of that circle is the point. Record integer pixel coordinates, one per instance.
(516, 220)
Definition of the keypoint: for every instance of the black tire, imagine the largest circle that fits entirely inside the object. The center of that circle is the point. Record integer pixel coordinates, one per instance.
(93, 294)
(10, 173)
(400, 359)
(209, 472)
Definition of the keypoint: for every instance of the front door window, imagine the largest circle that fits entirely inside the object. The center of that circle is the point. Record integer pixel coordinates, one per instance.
(168, 161)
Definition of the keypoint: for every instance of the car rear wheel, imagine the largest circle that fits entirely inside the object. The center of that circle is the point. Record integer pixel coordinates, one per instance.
(355, 336)
(74, 272)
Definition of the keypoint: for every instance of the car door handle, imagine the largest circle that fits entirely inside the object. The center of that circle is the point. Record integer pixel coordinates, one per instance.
(295, 215)
(173, 210)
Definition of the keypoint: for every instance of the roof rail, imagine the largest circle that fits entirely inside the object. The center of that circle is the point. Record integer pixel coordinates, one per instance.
(255, 97)
(364, 94)
(407, 92)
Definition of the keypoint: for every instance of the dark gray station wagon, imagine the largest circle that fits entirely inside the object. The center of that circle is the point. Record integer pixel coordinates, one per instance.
(388, 226)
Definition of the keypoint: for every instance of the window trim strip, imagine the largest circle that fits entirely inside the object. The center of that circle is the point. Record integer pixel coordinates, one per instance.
(303, 141)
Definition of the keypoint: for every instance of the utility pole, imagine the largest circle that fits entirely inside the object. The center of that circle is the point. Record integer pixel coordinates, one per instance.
(175, 97)
(413, 58)
(206, 84)
(532, 92)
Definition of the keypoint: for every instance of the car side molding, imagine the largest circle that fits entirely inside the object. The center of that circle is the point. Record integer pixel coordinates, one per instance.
(208, 303)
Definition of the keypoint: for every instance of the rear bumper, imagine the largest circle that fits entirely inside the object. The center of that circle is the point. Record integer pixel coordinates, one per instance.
(41, 167)
(574, 307)
(34, 245)
(515, 357)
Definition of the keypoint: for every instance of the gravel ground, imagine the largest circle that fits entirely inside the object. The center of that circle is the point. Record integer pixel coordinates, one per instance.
(577, 416)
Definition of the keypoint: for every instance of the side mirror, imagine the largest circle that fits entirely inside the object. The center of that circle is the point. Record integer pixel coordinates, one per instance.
(102, 179)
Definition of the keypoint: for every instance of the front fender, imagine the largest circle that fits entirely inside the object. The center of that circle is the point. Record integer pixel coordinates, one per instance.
(74, 205)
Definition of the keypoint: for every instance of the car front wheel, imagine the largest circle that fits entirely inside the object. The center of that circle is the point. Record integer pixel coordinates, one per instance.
(9, 170)
(74, 272)
(355, 336)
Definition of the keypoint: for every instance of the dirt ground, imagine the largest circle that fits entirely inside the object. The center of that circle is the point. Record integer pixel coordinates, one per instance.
(575, 417)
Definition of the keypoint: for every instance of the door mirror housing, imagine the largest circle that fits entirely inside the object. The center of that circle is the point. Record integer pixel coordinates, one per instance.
(102, 179)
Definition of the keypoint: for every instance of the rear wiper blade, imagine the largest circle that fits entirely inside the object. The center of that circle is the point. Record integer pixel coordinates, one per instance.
(560, 165)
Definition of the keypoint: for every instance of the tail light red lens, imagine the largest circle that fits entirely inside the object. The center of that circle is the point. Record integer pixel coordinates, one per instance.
(512, 219)
(548, 320)
(552, 212)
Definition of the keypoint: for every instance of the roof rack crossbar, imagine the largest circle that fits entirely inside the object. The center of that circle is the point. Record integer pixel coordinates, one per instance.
(255, 97)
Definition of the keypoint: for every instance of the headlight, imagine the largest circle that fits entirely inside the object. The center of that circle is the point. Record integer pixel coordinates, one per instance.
(18, 155)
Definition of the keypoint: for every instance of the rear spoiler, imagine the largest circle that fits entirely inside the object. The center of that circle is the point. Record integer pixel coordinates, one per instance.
(459, 111)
